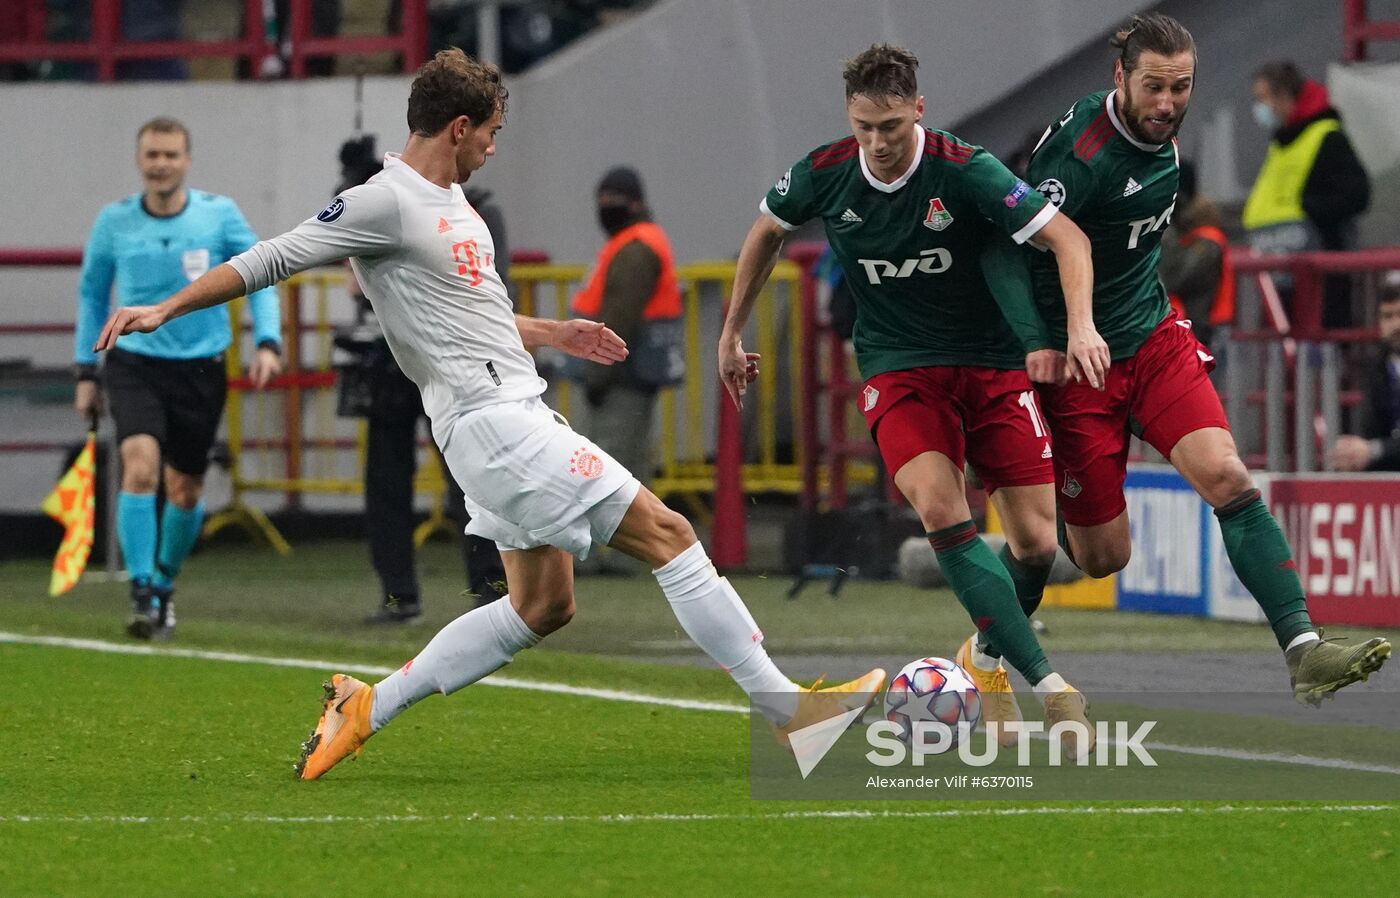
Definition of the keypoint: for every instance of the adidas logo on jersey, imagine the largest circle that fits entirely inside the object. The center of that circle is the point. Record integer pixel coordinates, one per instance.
(1132, 188)
(850, 216)
(1047, 453)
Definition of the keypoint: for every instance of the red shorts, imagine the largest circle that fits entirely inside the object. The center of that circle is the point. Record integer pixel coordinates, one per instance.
(1162, 393)
(986, 416)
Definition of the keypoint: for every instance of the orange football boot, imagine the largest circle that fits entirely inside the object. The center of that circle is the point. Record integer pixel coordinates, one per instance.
(341, 731)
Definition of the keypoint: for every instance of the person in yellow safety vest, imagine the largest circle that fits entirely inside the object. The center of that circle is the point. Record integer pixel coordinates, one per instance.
(1312, 186)
(635, 290)
(1195, 266)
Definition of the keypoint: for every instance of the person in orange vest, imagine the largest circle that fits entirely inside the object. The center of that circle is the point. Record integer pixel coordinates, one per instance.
(1195, 267)
(634, 289)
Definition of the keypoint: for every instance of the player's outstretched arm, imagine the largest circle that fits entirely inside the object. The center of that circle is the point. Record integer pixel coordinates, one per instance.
(217, 286)
(1086, 351)
(590, 340)
(737, 368)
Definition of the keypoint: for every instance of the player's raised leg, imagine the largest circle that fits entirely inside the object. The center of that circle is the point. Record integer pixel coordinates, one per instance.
(713, 615)
(1027, 515)
(933, 484)
(1261, 557)
(485, 639)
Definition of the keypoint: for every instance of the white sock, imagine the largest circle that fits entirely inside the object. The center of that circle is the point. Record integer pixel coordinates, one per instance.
(980, 659)
(1050, 685)
(714, 616)
(479, 642)
(1302, 639)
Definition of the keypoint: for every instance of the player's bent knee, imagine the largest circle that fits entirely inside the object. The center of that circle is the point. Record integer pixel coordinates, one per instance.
(545, 614)
(1231, 478)
(137, 478)
(184, 491)
(1100, 563)
(674, 531)
(1036, 555)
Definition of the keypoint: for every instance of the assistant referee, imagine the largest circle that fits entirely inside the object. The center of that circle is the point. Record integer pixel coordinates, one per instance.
(166, 389)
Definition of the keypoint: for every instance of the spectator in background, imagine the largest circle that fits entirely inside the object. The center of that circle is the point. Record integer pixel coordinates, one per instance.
(325, 22)
(1311, 187)
(166, 390)
(151, 20)
(141, 20)
(1377, 445)
(633, 288)
(393, 407)
(1195, 266)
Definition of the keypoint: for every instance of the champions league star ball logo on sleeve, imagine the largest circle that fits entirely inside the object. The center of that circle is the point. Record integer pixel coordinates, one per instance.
(332, 212)
(784, 183)
(1053, 191)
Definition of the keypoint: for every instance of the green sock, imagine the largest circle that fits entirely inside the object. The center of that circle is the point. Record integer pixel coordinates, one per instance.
(1029, 579)
(1264, 564)
(986, 590)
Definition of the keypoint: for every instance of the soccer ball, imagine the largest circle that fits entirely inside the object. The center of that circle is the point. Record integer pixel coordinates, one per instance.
(932, 689)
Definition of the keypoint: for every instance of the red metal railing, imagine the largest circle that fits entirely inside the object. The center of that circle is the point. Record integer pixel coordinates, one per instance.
(107, 47)
(1297, 389)
(1358, 30)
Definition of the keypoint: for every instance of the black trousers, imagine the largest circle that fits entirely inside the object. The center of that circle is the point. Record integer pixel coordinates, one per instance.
(390, 464)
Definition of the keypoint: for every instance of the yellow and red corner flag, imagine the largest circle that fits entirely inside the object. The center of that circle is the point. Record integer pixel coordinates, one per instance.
(71, 504)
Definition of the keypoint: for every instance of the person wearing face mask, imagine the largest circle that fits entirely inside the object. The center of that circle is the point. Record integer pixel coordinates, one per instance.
(1312, 187)
(634, 288)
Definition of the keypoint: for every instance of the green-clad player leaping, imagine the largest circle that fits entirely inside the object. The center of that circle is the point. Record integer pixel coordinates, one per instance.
(1111, 162)
(907, 212)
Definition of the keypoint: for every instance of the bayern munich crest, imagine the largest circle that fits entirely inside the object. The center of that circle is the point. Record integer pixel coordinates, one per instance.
(586, 463)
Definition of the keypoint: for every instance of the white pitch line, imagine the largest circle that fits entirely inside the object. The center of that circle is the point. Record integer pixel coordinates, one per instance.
(120, 648)
(1040, 811)
(377, 670)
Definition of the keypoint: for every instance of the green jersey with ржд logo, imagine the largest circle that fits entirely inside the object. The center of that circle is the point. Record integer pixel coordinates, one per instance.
(1121, 192)
(910, 250)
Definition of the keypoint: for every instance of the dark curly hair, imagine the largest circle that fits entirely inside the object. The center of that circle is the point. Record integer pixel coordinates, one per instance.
(1152, 33)
(452, 84)
(882, 71)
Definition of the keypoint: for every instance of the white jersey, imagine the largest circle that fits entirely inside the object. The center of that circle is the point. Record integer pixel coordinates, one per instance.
(426, 261)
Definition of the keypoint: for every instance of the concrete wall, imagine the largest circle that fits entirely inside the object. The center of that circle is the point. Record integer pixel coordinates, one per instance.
(710, 99)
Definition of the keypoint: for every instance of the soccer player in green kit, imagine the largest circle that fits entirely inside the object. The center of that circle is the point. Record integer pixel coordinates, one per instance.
(908, 211)
(1111, 163)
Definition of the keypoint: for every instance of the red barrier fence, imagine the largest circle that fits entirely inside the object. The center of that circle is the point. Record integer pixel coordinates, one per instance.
(107, 47)
(1359, 29)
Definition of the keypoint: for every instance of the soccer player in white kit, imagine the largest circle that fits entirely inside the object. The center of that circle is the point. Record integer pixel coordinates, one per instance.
(541, 491)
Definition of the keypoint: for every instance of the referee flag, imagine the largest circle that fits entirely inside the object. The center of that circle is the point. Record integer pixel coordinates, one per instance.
(71, 504)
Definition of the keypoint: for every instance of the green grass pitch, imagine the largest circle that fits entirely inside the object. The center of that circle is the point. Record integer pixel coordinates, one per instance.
(160, 775)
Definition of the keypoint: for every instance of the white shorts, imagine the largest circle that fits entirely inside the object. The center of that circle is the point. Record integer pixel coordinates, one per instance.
(529, 480)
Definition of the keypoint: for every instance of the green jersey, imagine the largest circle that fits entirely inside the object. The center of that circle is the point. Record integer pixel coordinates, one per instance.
(1121, 193)
(910, 250)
